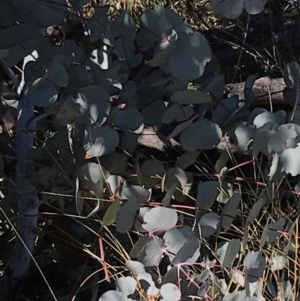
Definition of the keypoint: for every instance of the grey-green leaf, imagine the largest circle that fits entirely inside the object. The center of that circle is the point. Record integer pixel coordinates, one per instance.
(190, 56)
(129, 119)
(202, 135)
(190, 97)
(207, 194)
(100, 141)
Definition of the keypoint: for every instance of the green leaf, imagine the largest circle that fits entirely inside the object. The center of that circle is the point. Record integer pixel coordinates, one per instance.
(111, 213)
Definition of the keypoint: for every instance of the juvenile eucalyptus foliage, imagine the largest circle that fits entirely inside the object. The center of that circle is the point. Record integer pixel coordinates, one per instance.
(101, 99)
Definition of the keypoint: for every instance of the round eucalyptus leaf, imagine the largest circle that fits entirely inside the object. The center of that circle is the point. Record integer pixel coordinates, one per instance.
(160, 20)
(224, 110)
(129, 119)
(188, 253)
(175, 176)
(115, 162)
(126, 285)
(136, 193)
(150, 169)
(209, 223)
(160, 219)
(290, 159)
(152, 252)
(276, 119)
(153, 113)
(135, 267)
(175, 238)
(124, 27)
(188, 60)
(177, 113)
(230, 9)
(255, 263)
(163, 51)
(100, 141)
(42, 92)
(243, 134)
(128, 91)
(207, 194)
(113, 296)
(254, 7)
(126, 216)
(190, 97)
(92, 172)
(18, 34)
(57, 73)
(94, 105)
(287, 136)
(8, 13)
(19, 51)
(170, 291)
(45, 14)
(147, 283)
(202, 134)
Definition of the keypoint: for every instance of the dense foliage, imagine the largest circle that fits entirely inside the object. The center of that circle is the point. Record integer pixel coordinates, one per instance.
(133, 152)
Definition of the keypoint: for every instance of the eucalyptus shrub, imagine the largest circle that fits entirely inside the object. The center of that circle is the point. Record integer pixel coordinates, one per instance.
(98, 96)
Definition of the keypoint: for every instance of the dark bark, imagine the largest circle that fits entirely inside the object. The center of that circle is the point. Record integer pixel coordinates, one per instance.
(28, 206)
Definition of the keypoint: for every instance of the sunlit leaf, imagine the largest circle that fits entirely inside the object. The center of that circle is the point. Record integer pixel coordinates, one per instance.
(126, 285)
(113, 296)
(100, 141)
(255, 264)
(135, 267)
(170, 292)
(152, 252)
(278, 262)
(188, 253)
(209, 223)
(160, 219)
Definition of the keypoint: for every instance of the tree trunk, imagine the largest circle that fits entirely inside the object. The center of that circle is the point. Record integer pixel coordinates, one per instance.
(28, 205)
